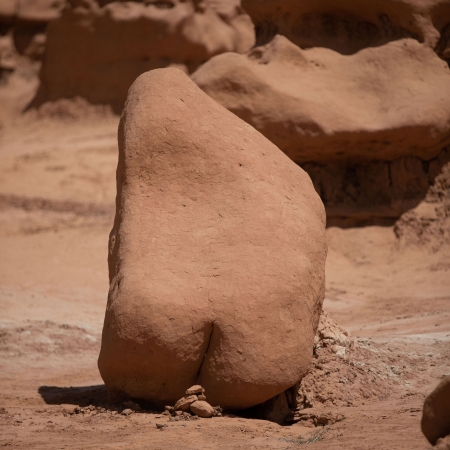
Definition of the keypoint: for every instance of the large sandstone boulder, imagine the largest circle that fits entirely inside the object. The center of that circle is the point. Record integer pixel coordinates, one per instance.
(436, 412)
(96, 49)
(216, 255)
(318, 105)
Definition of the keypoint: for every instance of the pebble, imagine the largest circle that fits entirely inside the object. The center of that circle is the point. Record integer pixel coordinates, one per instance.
(202, 409)
(196, 389)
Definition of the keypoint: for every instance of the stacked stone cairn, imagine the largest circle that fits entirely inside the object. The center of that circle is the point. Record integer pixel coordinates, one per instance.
(193, 404)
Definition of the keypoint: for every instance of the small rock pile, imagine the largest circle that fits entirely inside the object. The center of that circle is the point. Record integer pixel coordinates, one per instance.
(194, 402)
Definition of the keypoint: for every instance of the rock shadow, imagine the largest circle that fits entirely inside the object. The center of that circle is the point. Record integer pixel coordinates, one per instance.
(95, 395)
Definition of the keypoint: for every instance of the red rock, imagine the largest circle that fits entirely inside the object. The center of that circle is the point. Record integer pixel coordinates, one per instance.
(183, 403)
(202, 409)
(216, 256)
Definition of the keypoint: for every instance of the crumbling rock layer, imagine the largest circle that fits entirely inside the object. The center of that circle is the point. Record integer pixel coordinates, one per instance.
(318, 105)
(216, 255)
(348, 26)
(347, 371)
(96, 49)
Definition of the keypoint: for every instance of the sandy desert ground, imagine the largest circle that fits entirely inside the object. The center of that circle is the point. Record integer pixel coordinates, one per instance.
(57, 189)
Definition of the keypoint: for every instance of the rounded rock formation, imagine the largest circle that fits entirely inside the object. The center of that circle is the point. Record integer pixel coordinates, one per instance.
(318, 105)
(217, 254)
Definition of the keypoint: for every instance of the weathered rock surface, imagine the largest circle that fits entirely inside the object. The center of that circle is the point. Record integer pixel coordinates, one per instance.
(436, 412)
(318, 105)
(97, 49)
(216, 255)
(348, 26)
(202, 409)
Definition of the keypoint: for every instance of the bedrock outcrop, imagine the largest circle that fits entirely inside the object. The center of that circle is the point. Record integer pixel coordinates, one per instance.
(96, 49)
(216, 256)
(317, 105)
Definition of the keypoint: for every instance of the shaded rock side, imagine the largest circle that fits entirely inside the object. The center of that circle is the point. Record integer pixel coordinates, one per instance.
(348, 26)
(380, 192)
(318, 105)
(216, 255)
(436, 412)
(97, 49)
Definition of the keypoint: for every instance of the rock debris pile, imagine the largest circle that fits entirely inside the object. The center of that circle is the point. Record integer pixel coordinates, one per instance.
(347, 371)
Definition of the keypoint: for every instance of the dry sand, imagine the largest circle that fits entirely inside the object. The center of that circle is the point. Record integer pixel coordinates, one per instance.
(57, 188)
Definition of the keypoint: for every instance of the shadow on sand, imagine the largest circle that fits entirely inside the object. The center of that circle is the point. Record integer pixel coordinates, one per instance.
(79, 395)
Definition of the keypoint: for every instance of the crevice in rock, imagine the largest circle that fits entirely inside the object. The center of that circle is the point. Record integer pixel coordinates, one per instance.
(197, 378)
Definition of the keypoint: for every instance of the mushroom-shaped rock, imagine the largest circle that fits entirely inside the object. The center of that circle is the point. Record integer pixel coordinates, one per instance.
(202, 409)
(436, 412)
(318, 105)
(216, 256)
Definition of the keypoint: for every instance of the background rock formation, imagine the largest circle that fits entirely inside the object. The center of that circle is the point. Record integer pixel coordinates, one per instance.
(348, 26)
(317, 105)
(28, 20)
(216, 256)
(96, 49)
(347, 90)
